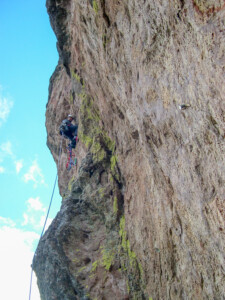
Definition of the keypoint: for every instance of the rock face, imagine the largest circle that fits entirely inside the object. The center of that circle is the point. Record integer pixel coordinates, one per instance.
(143, 213)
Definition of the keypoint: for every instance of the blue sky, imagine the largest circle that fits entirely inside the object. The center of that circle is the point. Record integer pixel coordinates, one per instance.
(28, 57)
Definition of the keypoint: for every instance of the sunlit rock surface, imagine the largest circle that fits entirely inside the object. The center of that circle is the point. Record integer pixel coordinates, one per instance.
(142, 214)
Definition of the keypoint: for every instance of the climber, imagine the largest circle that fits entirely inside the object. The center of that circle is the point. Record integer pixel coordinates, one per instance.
(69, 130)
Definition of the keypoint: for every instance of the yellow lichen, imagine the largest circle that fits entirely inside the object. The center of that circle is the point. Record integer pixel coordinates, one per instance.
(71, 98)
(125, 244)
(95, 6)
(81, 269)
(94, 266)
(75, 76)
(70, 184)
(107, 258)
(91, 133)
(101, 192)
(128, 287)
(115, 205)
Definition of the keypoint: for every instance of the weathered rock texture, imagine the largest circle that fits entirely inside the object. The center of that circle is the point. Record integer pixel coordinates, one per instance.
(144, 216)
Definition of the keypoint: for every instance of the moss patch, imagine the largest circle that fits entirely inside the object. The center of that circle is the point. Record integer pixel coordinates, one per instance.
(115, 205)
(75, 76)
(94, 266)
(113, 161)
(130, 265)
(94, 137)
(95, 6)
(71, 183)
(107, 258)
(81, 269)
(117, 247)
(71, 98)
(101, 192)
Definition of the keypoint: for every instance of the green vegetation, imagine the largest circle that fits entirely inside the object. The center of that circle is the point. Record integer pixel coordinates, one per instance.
(123, 233)
(101, 192)
(94, 137)
(113, 161)
(94, 266)
(99, 153)
(71, 183)
(106, 261)
(128, 287)
(115, 205)
(104, 40)
(82, 269)
(95, 6)
(107, 258)
(75, 76)
(71, 98)
(117, 247)
(130, 264)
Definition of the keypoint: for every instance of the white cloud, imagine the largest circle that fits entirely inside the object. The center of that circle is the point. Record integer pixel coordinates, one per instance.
(35, 204)
(31, 221)
(19, 165)
(16, 254)
(48, 223)
(34, 214)
(5, 107)
(34, 174)
(2, 170)
(6, 149)
(7, 221)
(25, 219)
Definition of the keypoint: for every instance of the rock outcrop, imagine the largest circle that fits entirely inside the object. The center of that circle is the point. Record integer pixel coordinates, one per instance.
(142, 215)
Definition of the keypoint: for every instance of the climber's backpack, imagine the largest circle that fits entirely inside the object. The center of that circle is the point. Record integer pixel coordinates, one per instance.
(64, 128)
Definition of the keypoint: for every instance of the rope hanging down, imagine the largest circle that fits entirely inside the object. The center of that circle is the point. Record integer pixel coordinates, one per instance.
(31, 277)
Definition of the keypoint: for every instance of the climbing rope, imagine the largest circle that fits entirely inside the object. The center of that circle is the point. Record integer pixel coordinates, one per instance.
(31, 277)
(71, 160)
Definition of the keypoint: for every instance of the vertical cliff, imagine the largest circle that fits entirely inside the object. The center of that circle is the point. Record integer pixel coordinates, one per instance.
(143, 213)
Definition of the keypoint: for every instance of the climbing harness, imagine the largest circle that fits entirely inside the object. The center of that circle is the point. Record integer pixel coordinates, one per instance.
(31, 277)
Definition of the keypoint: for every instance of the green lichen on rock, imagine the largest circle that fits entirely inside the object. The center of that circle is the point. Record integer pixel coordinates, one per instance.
(109, 143)
(113, 161)
(130, 265)
(71, 98)
(95, 6)
(93, 135)
(125, 243)
(131, 254)
(98, 152)
(123, 233)
(128, 287)
(85, 139)
(107, 258)
(101, 192)
(94, 266)
(75, 76)
(81, 269)
(71, 183)
(115, 205)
